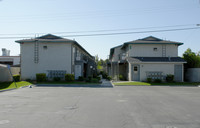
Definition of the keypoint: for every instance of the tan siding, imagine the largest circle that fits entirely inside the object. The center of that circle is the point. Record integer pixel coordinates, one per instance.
(57, 56)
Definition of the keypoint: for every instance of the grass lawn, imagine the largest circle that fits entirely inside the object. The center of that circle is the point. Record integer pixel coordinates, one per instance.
(145, 83)
(11, 85)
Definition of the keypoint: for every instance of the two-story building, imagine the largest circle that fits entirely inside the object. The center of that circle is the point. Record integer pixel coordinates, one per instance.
(55, 56)
(149, 57)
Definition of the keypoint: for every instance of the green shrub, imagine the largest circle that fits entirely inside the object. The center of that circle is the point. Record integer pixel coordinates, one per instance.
(149, 80)
(94, 75)
(89, 79)
(40, 77)
(121, 77)
(99, 78)
(95, 80)
(28, 80)
(69, 77)
(170, 78)
(56, 79)
(80, 78)
(109, 78)
(157, 81)
(16, 78)
(104, 74)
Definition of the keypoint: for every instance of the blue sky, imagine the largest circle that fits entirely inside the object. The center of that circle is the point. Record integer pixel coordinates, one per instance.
(51, 16)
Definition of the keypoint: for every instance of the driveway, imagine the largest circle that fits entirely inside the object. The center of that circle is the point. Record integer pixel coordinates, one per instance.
(95, 107)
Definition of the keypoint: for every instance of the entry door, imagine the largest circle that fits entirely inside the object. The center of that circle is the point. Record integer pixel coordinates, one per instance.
(178, 73)
(77, 71)
(136, 72)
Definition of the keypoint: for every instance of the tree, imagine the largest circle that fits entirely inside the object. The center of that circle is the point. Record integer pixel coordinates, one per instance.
(193, 59)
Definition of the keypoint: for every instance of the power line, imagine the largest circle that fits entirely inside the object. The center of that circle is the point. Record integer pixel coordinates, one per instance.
(108, 30)
(118, 33)
(124, 33)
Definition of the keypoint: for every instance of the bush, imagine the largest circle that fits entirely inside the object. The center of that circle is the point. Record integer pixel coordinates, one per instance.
(99, 78)
(95, 80)
(40, 77)
(69, 77)
(89, 79)
(94, 75)
(109, 78)
(149, 80)
(157, 81)
(16, 78)
(80, 78)
(170, 78)
(121, 77)
(56, 79)
(104, 75)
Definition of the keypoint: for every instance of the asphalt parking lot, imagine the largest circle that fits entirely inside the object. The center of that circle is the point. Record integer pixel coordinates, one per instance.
(94, 107)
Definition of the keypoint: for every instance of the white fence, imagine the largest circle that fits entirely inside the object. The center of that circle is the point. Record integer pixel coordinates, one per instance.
(193, 75)
(5, 75)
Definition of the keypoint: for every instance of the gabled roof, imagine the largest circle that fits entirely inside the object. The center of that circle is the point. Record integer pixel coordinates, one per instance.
(46, 38)
(151, 40)
(54, 39)
(155, 59)
(49, 36)
(112, 50)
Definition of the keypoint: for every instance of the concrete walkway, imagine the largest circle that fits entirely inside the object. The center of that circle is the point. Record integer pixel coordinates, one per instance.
(106, 83)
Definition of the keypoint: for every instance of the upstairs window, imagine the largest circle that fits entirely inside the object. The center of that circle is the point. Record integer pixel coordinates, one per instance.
(135, 68)
(44, 47)
(155, 49)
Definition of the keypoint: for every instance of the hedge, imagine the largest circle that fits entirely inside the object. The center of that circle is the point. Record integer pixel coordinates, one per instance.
(40, 77)
(16, 78)
(69, 77)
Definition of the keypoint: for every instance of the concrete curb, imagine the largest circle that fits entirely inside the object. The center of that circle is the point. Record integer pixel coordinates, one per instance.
(15, 88)
(7, 90)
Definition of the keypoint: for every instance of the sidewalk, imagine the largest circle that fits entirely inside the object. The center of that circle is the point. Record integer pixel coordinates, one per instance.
(106, 83)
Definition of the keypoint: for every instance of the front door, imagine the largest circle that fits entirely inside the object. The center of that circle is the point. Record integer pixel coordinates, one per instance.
(135, 72)
(77, 71)
(178, 73)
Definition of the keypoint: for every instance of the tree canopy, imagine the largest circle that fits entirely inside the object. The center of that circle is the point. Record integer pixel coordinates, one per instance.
(193, 59)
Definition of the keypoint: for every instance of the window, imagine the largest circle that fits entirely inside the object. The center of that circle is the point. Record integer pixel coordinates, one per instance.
(45, 47)
(155, 49)
(135, 68)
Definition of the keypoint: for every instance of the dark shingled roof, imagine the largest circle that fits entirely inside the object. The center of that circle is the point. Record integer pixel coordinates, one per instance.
(155, 59)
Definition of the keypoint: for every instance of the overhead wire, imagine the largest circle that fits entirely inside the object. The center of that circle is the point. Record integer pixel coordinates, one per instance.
(105, 30)
(116, 33)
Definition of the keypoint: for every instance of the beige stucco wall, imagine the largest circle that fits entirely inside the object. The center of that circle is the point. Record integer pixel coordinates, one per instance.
(57, 56)
(117, 51)
(5, 75)
(165, 68)
(146, 50)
